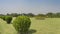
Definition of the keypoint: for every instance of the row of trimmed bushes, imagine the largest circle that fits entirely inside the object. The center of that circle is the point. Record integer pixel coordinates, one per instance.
(6, 18)
(21, 23)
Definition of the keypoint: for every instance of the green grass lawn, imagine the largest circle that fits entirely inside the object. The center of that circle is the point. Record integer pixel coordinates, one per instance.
(47, 26)
(6, 28)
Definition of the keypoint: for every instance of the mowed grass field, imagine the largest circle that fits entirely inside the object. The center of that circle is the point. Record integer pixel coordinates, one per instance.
(6, 28)
(47, 26)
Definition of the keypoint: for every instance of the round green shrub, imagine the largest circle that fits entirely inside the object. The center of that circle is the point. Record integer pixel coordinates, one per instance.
(2, 17)
(8, 19)
(22, 24)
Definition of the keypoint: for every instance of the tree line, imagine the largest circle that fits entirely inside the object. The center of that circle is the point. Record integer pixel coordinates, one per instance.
(48, 15)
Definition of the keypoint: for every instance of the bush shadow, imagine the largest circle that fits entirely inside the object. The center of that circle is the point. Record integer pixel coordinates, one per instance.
(31, 31)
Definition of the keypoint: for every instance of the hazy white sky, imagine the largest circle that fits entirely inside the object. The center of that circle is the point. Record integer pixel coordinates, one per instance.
(29, 6)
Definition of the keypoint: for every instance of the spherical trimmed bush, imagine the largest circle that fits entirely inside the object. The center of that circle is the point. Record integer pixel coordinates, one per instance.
(8, 19)
(22, 24)
(2, 17)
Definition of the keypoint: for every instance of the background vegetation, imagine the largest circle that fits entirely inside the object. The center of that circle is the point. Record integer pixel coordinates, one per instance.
(47, 15)
(40, 24)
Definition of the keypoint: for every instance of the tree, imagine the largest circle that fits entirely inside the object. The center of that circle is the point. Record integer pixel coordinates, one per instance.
(51, 15)
(14, 14)
(58, 15)
(30, 15)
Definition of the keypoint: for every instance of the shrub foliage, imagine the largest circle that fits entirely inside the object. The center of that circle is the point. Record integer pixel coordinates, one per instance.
(2, 17)
(22, 24)
(8, 19)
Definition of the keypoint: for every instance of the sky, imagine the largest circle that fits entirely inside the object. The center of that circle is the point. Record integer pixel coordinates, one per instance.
(29, 6)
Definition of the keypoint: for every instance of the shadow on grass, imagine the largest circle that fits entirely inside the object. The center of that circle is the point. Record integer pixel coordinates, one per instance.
(0, 32)
(31, 31)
